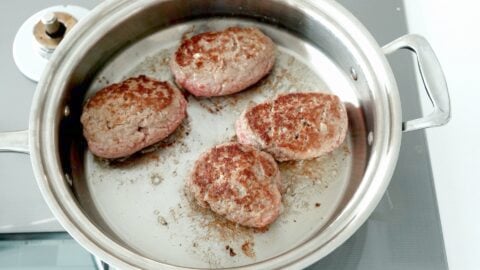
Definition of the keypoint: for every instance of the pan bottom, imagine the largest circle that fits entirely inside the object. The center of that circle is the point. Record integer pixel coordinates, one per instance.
(140, 201)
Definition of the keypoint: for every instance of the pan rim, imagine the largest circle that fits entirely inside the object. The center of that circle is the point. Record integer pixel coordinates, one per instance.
(45, 159)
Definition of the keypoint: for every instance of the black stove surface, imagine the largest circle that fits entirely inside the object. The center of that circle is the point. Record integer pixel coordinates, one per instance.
(404, 232)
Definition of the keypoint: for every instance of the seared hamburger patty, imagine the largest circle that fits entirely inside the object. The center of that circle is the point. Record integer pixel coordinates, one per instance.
(125, 117)
(222, 63)
(295, 126)
(238, 182)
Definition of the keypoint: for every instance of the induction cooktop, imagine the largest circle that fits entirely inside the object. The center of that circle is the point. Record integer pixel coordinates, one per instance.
(404, 231)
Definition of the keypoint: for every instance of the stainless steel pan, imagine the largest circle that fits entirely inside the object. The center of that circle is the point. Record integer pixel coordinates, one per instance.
(133, 213)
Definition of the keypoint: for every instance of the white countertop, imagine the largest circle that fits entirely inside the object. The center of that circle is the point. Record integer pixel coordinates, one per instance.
(453, 29)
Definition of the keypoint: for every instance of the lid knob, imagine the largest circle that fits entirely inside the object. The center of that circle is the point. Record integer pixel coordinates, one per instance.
(53, 27)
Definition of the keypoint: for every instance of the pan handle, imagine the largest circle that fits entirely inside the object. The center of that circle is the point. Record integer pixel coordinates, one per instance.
(16, 141)
(432, 77)
(99, 264)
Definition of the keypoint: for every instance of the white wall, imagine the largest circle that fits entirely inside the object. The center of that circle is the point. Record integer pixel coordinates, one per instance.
(453, 29)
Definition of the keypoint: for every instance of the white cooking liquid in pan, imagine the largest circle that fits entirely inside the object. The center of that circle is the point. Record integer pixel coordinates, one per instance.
(142, 199)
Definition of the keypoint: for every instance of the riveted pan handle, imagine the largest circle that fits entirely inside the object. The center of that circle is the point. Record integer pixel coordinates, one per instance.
(16, 141)
(432, 77)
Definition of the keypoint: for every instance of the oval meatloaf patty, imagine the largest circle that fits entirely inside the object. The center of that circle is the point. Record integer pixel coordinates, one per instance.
(125, 117)
(222, 63)
(238, 182)
(295, 126)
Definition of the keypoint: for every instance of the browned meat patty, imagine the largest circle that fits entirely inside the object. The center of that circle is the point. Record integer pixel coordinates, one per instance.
(222, 63)
(125, 117)
(238, 182)
(295, 126)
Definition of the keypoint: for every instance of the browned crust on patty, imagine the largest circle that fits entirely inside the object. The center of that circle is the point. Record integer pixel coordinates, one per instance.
(295, 126)
(141, 92)
(210, 46)
(125, 117)
(239, 182)
(224, 62)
